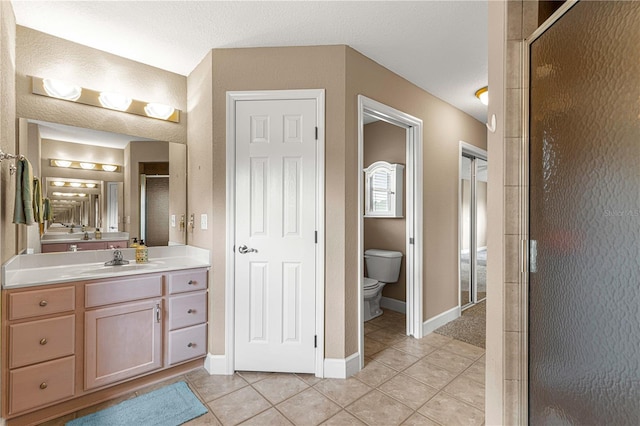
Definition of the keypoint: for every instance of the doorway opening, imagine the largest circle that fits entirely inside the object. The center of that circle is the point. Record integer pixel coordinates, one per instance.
(370, 111)
(472, 255)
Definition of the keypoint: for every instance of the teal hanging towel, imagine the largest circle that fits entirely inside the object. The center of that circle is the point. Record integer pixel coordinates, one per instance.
(23, 210)
(46, 210)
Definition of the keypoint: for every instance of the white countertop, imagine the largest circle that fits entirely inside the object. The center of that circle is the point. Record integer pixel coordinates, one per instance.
(78, 237)
(51, 268)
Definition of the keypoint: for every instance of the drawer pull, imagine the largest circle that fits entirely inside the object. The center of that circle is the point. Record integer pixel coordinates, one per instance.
(43, 341)
(192, 282)
(191, 311)
(43, 303)
(43, 385)
(191, 345)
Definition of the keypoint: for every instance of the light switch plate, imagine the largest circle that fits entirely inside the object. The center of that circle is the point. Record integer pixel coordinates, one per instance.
(203, 221)
(173, 220)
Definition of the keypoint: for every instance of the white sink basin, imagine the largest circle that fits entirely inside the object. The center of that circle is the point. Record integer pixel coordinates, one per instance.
(101, 270)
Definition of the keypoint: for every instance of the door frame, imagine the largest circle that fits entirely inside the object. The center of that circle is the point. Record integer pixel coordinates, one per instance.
(474, 151)
(414, 212)
(271, 95)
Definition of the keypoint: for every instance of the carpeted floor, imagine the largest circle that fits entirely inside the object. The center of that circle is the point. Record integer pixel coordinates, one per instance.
(470, 327)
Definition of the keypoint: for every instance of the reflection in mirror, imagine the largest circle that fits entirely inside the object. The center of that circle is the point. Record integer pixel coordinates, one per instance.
(97, 180)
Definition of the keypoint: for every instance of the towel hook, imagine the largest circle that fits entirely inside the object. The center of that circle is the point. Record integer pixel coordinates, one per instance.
(6, 156)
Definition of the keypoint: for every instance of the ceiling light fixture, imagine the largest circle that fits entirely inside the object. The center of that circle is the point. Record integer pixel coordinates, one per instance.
(483, 95)
(61, 89)
(160, 111)
(115, 101)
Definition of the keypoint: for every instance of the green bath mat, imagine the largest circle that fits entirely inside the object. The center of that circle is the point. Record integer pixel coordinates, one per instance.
(169, 406)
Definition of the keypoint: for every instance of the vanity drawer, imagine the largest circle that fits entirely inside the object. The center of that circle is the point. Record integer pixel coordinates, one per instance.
(41, 384)
(123, 290)
(38, 341)
(192, 280)
(187, 343)
(33, 303)
(187, 309)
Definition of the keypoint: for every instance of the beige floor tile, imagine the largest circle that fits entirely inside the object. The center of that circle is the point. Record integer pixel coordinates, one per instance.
(279, 387)
(464, 349)
(386, 336)
(253, 376)
(375, 373)
(372, 346)
(419, 420)
(308, 408)
(342, 391)
(343, 419)
(430, 374)
(475, 372)
(408, 391)
(309, 379)
(213, 387)
(449, 411)
(197, 374)
(449, 361)
(238, 406)
(271, 417)
(436, 340)
(368, 327)
(414, 347)
(207, 419)
(376, 408)
(468, 391)
(395, 359)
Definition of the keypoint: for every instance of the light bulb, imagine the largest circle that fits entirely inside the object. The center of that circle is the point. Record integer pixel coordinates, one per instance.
(114, 101)
(62, 163)
(58, 183)
(88, 166)
(61, 89)
(160, 111)
(109, 168)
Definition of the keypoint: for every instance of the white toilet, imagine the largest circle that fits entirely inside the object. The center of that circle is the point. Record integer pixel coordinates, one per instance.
(383, 267)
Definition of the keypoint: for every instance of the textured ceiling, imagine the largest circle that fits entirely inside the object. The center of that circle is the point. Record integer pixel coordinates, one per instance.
(441, 46)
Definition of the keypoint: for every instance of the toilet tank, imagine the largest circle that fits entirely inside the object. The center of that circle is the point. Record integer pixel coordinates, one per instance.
(383, 265)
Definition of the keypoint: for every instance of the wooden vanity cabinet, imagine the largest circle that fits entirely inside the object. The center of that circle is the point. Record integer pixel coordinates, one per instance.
(65, 346)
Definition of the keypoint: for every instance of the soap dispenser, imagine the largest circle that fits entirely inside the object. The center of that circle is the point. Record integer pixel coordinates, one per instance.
(134, 243)
(142, 253)
(98, 234)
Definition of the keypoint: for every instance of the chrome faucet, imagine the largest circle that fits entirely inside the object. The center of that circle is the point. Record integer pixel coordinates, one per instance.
(117, 259)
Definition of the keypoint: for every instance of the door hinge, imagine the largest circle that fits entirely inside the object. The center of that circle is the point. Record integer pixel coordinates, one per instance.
(316, 133)
(315, 237)
(411, 240)
(315, 341)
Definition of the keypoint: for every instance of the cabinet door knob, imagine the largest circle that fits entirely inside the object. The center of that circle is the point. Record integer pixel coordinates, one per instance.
(191, 345)
(191, 311)
(192, 282)
(43, 385)
(43, 341)
(43, 303)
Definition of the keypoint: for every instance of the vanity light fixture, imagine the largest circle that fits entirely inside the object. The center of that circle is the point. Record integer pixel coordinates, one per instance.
(90, 185)
(161, 111)
(109, 100)
(483, 95)
(114, 101)
(68, 194)
(62, 89)
(62, 163)
(85, 165)
(88, 166)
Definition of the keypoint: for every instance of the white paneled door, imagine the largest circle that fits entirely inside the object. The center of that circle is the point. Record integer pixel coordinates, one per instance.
(275, 237)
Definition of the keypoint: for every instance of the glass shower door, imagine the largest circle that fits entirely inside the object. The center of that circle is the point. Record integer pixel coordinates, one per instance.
(584, 224)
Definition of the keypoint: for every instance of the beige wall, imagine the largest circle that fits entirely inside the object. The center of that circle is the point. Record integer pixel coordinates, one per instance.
(8, 231)
(42, 55)
(386, 142)
(444, 127)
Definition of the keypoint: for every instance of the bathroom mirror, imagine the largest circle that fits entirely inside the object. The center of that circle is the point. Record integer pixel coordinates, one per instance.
(114, 182)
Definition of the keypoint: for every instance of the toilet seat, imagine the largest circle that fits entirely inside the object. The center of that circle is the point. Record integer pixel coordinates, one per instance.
(369, 283)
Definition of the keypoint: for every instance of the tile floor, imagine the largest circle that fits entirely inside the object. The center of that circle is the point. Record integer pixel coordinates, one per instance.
(432, 381)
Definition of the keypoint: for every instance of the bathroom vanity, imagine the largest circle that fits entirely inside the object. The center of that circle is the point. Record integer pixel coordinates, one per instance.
(76, 332)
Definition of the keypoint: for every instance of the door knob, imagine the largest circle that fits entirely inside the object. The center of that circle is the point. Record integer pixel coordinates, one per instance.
(244, 250)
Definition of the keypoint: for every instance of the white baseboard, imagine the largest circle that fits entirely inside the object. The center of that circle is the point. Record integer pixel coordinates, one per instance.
(217, 365)
(439, 320)
(394, 304)
(337, 368)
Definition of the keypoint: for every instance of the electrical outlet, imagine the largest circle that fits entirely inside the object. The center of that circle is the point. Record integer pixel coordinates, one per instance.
(173, 220)
(203, 221)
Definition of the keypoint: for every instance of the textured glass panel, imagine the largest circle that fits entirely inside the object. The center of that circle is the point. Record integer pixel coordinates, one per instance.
(465, 232)
(584, 310)
(481, 229)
